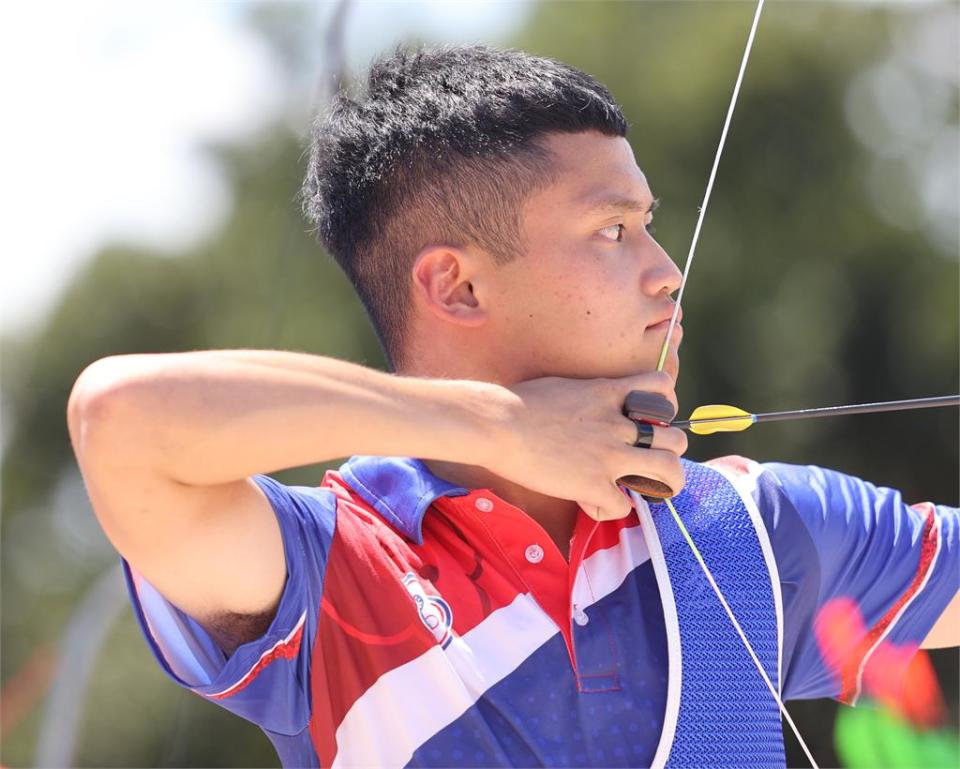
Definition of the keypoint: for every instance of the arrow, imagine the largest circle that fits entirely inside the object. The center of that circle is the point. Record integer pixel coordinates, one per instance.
(707, 420)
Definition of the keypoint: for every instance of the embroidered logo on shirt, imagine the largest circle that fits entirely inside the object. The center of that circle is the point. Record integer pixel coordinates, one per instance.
(435, 613)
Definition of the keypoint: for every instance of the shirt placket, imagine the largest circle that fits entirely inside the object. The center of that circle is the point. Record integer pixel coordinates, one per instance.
(550, 580)
(593, 636)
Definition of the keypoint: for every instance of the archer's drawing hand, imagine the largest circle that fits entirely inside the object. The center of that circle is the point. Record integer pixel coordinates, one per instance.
(568, 438)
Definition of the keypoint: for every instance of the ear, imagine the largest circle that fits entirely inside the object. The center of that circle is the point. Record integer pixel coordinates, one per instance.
(446, 281)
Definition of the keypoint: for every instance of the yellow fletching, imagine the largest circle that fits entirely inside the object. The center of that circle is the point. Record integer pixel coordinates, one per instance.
(706, 420)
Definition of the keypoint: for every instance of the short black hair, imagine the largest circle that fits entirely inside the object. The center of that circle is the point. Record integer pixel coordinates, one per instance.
(441, 147)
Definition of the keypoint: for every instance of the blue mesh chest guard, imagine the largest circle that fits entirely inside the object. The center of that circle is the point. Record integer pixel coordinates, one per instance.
(719, 711)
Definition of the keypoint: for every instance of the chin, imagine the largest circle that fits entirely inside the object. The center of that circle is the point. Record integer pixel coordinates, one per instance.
(672, 366)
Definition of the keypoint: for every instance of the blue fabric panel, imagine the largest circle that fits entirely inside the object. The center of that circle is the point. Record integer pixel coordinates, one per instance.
(295, 750)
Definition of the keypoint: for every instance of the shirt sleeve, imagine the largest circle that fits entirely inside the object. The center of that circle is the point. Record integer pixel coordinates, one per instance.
(267, 680)
(838, 537)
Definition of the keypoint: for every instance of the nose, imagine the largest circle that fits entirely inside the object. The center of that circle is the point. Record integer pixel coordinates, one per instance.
(661, 275)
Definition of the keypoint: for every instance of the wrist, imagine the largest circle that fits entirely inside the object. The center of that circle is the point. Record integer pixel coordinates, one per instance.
(487, 415)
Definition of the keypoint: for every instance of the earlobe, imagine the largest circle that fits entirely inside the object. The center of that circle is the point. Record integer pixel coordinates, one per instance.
(440, 284)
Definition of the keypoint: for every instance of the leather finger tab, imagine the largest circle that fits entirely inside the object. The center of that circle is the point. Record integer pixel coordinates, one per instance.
(648, 407)
(648, 487)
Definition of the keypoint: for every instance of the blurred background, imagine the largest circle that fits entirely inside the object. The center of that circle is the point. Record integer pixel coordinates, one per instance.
(152, 161)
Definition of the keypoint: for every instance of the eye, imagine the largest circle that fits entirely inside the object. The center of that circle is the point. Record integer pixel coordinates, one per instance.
(620, 230)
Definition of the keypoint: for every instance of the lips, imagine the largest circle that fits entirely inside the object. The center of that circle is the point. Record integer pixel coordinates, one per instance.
(663, 326)
(664, 323)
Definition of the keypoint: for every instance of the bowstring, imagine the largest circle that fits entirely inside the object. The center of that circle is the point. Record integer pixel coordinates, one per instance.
(662, 361)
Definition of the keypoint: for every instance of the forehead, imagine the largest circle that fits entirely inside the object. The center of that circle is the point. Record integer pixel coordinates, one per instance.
(595, 173)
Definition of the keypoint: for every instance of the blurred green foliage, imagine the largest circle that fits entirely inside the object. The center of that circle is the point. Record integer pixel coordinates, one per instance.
(810, 288)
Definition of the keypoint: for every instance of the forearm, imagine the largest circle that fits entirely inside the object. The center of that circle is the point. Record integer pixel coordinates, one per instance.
(209, 417)
(946, 633)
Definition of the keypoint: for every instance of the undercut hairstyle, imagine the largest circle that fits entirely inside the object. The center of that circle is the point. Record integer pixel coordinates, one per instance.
(442, 147)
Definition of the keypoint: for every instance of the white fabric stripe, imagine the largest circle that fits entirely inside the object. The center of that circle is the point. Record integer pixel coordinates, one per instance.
(281, 642)
(458, 676)
(899, 614)
(605, 570)
(747, 489)
(672, 624)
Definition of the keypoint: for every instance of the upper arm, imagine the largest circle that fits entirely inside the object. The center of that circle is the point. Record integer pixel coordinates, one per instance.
(214, 551)
(946, 633)
(226, 581)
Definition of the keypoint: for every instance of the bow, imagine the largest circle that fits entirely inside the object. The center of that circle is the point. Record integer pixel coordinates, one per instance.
(662, 361)
(708, 419)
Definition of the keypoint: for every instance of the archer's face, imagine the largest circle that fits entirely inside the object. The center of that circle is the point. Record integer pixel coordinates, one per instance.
(591, 297)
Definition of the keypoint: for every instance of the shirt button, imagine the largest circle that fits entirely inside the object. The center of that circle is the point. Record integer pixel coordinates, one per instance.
(483, 504)
(580, 616)
(534, 553)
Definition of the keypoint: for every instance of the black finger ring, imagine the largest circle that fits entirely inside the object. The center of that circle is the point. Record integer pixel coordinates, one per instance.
(644, 435)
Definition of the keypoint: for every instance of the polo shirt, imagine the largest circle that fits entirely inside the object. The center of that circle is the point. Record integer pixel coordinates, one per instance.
(426, 624)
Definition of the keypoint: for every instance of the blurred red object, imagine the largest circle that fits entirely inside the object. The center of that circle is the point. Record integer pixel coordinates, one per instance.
(899, 677)
(25, 688)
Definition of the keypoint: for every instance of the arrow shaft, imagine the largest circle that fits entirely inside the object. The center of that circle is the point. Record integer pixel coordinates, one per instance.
(832, 411)
(862, 408)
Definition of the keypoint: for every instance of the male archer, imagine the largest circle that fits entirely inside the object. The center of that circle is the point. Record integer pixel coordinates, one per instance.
(472, 587)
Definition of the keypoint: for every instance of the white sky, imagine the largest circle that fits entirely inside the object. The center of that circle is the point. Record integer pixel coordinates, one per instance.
(107, 102)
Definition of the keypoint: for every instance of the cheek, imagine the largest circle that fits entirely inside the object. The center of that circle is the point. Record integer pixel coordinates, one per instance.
(607, 289)
(570, 285)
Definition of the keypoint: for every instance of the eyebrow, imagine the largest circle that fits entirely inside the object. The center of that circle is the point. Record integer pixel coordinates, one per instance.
(603, 205)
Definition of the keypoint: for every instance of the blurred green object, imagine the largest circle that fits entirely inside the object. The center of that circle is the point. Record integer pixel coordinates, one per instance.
(869, 737)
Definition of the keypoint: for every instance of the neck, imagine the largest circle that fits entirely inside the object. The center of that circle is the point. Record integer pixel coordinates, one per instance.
(557, 516)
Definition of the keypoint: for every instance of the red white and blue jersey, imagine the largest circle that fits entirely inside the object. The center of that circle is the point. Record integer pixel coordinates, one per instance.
(425, 624)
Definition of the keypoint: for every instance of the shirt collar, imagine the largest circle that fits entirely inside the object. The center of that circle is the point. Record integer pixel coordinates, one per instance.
(399, 488)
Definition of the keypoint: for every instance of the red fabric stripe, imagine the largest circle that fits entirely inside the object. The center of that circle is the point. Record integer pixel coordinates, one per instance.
(370, 638)
(733, 463)
(287, 650)
(607, 534)
(858, 658)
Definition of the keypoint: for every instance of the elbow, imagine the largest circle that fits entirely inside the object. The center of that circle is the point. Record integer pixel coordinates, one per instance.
(91, 401)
